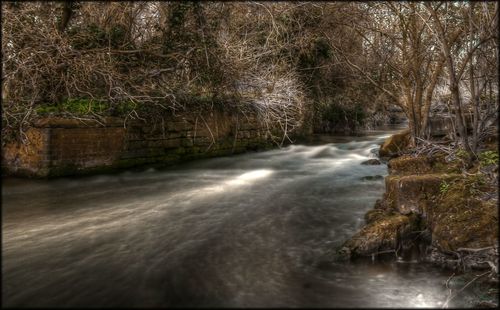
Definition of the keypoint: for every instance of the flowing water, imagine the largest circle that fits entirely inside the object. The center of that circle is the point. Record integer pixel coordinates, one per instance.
(252, 230)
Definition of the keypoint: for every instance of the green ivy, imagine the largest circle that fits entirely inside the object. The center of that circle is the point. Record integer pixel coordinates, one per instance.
(83, 106)
(488, 158)
(443, 187)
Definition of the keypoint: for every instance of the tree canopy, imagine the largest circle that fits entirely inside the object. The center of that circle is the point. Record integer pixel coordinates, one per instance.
(296, 63)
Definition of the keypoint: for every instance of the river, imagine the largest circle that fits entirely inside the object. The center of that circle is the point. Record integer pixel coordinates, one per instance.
(251, 230)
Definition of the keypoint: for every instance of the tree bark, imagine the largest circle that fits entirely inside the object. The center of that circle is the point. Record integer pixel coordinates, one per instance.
(454, 86)
(428, 98)
(66, 16)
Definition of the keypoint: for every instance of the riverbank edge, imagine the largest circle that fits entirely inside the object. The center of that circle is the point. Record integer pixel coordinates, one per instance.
(59, 146)
(436, 211)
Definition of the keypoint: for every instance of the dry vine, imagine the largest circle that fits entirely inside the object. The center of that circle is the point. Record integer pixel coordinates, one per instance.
(141, 54)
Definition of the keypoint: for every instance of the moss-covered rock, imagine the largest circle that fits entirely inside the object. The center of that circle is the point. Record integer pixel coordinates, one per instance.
(411, 165)
(384, 232)
(461, 217)
(375, 215)
(428, 194)
(395, 144)
(409, 193)
(407, 164)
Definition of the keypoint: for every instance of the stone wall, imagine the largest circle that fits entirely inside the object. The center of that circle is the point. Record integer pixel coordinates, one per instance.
(442, 124)
(58, 146)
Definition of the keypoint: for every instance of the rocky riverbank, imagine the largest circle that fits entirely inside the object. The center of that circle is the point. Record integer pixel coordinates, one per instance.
(438, 210)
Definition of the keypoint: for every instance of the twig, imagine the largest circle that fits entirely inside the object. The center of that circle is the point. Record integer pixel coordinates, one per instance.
(445, 305)
(475, 249)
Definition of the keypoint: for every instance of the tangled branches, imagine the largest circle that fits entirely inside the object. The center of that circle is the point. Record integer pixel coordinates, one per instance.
(146, 54)
(477, 259)
(279, 101)
(43, 65)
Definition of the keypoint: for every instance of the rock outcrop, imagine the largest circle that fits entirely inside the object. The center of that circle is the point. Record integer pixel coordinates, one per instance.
(429, 205)
(395, 144)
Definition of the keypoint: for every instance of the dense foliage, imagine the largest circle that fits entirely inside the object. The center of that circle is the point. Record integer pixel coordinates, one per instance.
(325, 65)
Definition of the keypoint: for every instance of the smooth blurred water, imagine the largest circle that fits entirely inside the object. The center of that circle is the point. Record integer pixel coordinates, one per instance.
(253, 230)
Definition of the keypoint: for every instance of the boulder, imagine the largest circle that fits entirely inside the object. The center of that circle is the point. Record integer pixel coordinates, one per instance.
(372, 177)
(405, 165)
(411, 165)
(384, 233)
(375, 151)
(411, 193)
(395, 144)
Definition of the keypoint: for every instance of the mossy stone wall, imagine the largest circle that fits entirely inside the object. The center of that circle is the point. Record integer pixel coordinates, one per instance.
(58, 146)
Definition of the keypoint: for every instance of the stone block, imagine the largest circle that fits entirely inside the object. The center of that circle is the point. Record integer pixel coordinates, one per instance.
(172, 143)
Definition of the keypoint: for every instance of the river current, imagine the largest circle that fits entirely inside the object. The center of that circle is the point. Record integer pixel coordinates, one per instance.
(252, 230)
